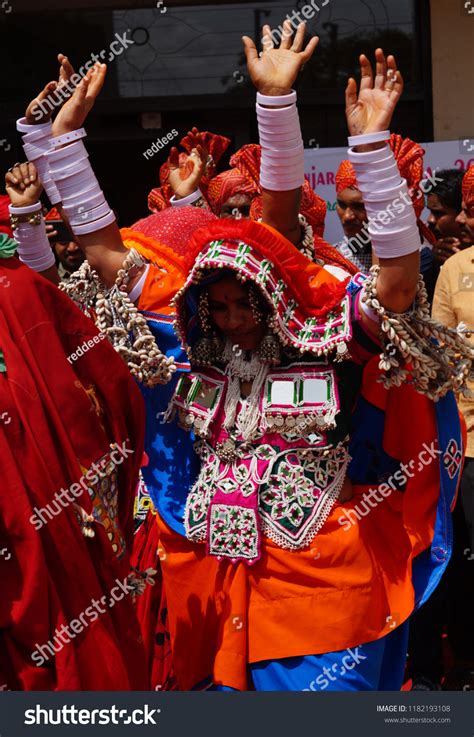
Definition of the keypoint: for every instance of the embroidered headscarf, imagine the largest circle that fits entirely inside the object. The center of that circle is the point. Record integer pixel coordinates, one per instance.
(302, 295)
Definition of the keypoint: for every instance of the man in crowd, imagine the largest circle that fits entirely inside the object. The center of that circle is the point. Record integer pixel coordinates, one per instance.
(67, 252)
(444, 204)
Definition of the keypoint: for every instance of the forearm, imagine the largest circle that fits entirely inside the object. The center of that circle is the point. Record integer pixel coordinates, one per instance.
(34, 249)
(103, 249)
(280, 210)
(395, 238)
(282, 165)
(84, 206)
(78, 197)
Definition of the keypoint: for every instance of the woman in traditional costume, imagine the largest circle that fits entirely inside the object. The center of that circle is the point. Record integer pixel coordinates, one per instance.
(71, 446)
(316, 525)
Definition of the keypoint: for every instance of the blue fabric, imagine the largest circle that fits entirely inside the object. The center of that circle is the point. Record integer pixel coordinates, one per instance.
(173, 466)
(426, 259)
(431, 564)
(374, 666)
(370, 463)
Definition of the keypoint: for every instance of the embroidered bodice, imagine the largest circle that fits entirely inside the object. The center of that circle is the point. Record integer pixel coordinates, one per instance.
(283, 481)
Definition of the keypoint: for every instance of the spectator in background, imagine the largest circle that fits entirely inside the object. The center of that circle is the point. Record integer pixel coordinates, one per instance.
(444, 204)
(68, 254)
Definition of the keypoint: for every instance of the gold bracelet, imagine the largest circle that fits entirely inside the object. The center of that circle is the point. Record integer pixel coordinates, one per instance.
(33, 218)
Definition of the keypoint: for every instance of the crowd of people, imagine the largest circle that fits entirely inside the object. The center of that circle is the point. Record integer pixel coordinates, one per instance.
(237, 457)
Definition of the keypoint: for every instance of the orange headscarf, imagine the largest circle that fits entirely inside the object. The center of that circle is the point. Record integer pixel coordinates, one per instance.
(468, 189)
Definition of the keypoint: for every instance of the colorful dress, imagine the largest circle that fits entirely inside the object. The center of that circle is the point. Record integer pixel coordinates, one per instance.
(265, 570)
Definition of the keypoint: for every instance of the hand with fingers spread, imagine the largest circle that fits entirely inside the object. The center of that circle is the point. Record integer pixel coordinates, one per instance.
(372, 109)
(77, 108)
(275, 70)
(36, 112)
(184, 177)
(23, 184)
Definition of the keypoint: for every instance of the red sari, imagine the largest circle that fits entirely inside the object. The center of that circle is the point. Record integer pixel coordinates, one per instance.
(58, 418)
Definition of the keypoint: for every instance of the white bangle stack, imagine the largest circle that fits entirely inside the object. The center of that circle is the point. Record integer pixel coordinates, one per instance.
(34, 248)
(384, 190)
(82, 198)
(282, 164)
(36, 140)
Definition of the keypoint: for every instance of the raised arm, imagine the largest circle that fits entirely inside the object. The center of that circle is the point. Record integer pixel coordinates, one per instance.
(89, 217)
(24, 188)
(273, 73)
(396, 245)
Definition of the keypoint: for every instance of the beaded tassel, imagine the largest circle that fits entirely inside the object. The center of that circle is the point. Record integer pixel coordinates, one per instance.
(118, 318)
(439, 358)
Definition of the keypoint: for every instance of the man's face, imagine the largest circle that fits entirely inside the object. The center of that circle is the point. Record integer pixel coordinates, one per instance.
(351, 211)
(231, 312)
(465, 220)
(442, 220)
(69, 254)
(237, 206)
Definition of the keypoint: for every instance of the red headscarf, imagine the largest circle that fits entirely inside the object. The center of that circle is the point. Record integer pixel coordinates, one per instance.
(468, 189)
(409, 158)
(5, 216)
(159, 198)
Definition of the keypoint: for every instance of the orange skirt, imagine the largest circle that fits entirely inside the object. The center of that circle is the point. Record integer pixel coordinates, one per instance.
(350, 587)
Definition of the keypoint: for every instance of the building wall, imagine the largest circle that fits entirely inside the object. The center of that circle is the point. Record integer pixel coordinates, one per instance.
(452, 41)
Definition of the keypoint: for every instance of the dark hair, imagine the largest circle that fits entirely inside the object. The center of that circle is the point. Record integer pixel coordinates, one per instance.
(449, 190)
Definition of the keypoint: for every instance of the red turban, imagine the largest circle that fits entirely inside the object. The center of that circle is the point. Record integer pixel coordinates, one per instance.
(345, 177)
(468, 189)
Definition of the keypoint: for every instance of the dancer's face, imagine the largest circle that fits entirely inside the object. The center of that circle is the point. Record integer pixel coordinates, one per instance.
(231, 312)
(351, 211)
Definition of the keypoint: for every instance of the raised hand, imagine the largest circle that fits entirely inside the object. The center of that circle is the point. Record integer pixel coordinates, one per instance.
(275, 70)
(35, 113)
(23, 184)
(372, 109)
(77, 108)
(185, 177)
